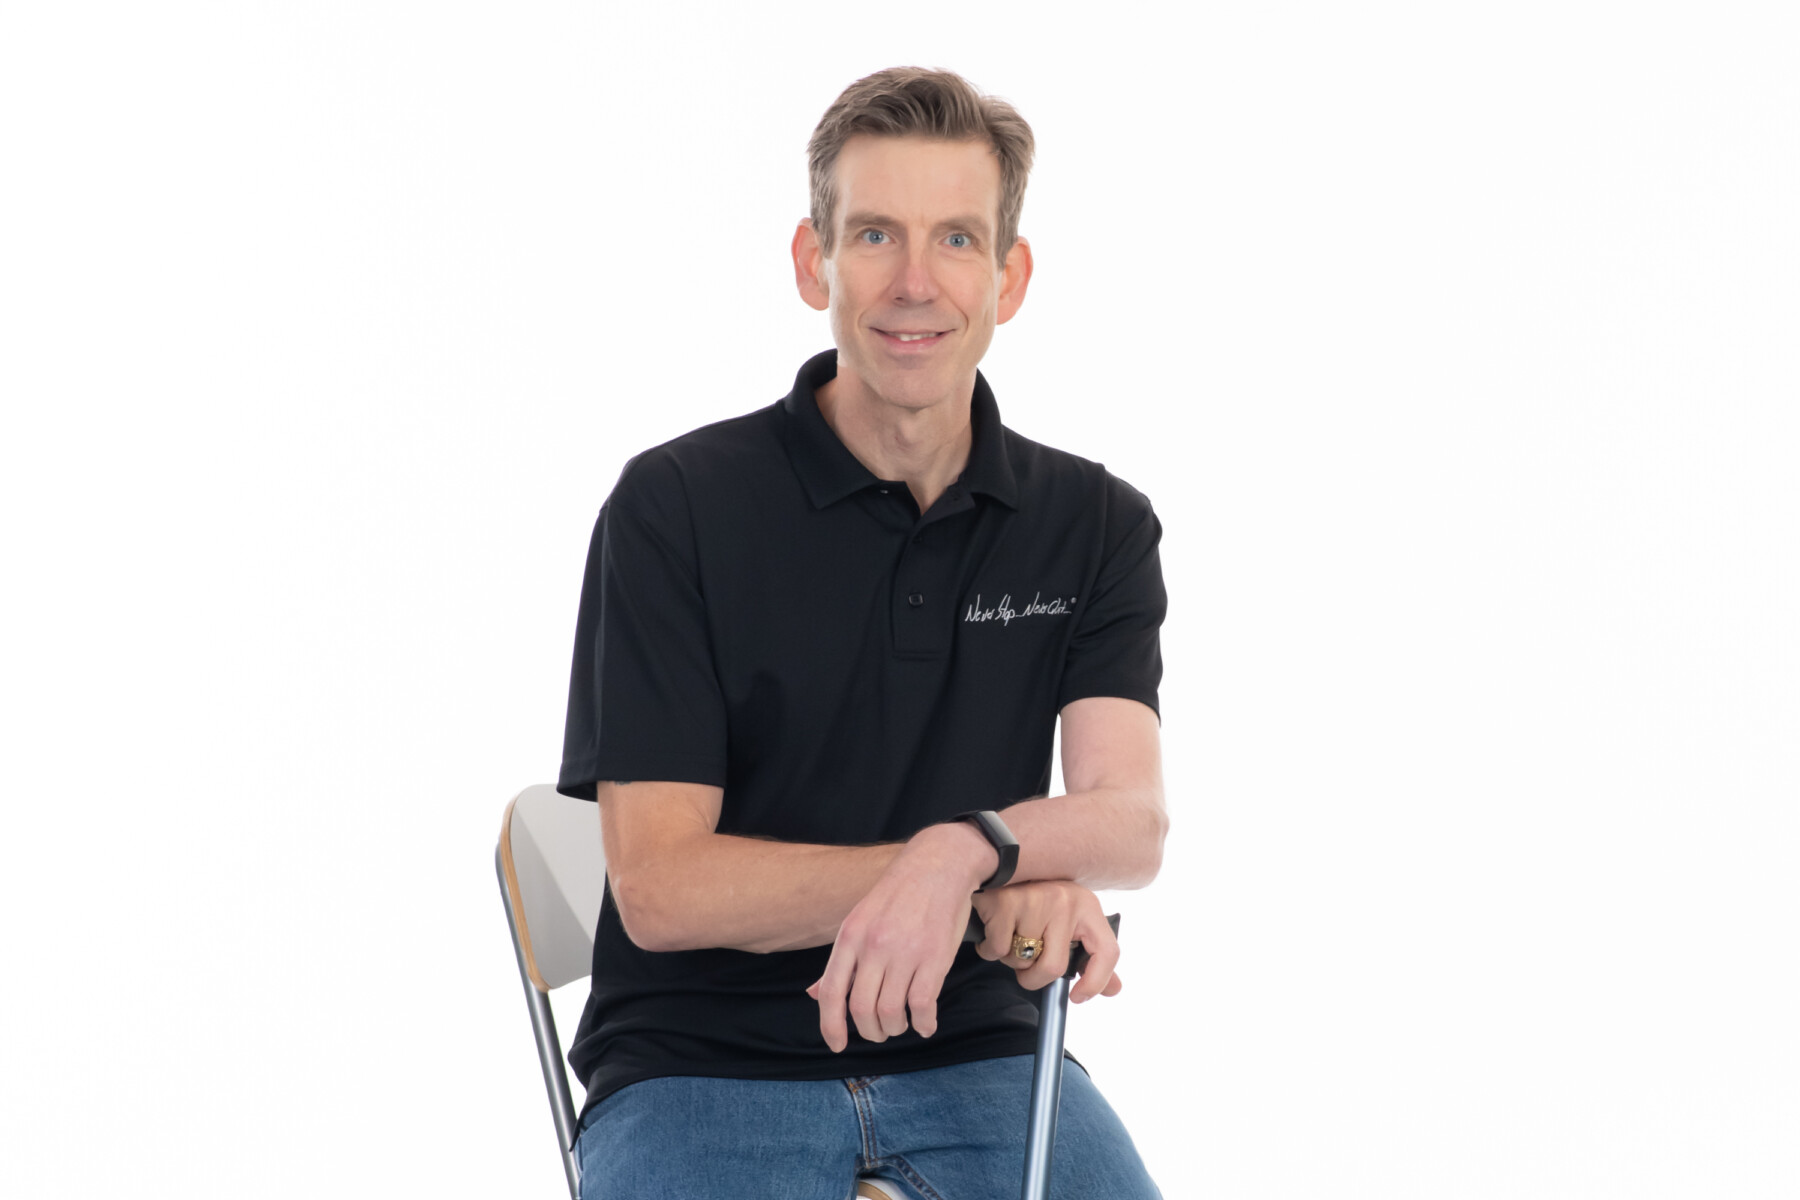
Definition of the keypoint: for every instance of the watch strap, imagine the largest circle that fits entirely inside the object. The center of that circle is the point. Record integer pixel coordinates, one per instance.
(1001, 838)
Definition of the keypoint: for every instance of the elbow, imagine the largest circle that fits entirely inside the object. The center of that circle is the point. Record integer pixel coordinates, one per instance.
(1156, 833)
(643, 913)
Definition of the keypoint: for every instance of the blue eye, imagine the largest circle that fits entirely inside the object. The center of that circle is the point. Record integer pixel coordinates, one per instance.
(872, 233)
(961, 244)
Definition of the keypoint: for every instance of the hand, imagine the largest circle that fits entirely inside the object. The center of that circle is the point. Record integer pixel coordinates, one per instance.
(896, 946)
(1059, 912)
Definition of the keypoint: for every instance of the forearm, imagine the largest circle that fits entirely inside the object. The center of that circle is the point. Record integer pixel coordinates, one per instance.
(719, 890)
(1108, 831)
(1101, 839)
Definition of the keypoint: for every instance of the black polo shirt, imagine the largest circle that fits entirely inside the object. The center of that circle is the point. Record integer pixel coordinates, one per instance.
(763, 614)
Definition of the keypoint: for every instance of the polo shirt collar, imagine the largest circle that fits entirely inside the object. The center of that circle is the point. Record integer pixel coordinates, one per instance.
(829, 472)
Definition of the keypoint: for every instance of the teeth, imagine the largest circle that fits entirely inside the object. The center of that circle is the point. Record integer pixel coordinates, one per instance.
(913, 337)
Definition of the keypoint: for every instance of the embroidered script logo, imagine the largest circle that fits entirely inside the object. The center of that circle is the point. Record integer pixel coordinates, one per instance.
(1005, 613)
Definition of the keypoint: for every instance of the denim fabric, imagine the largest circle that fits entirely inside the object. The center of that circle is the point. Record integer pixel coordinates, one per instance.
(949, 1133)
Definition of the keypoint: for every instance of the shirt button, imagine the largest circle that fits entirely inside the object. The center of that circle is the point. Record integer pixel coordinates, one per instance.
(916, 599)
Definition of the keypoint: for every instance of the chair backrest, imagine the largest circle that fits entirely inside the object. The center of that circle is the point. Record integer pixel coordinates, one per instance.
(552, 877)
(555, 872)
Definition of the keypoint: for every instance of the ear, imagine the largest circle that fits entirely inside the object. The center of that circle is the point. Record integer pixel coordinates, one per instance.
(809, 266)
(1015, 277)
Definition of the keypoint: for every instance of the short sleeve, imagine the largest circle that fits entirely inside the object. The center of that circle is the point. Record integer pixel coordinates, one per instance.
(644, 697)
(1116, 649)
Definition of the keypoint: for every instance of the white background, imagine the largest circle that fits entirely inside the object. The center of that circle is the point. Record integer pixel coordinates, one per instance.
(1456, 346)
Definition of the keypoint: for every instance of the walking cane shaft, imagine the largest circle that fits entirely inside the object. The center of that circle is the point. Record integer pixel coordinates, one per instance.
(1046, 1072)
(1046, 1089)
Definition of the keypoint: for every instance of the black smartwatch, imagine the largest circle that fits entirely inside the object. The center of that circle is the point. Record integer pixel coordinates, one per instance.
(995, 831)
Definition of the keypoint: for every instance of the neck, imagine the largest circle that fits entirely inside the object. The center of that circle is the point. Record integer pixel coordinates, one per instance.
(927, 447)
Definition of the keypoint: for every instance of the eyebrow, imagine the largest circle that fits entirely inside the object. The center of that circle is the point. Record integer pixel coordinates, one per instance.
(972, 224)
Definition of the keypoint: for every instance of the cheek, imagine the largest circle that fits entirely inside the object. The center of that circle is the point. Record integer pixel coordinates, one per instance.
(979, 294)
(841, 326)
(848, 295)
(982, 305)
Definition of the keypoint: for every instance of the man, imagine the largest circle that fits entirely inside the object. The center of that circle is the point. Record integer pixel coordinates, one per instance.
(813, 640)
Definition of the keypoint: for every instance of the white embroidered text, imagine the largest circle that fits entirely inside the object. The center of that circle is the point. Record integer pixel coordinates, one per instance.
(1004, 612)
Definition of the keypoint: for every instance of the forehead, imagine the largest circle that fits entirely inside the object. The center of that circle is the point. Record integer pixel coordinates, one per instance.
(917, 178)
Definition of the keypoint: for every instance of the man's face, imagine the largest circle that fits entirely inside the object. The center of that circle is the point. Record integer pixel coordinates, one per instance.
(913, 289)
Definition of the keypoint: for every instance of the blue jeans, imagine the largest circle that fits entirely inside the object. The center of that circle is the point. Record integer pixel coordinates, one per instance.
(948, 1133)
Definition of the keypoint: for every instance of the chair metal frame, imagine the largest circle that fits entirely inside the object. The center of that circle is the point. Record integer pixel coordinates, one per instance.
(549, 1048)
(543, 1020)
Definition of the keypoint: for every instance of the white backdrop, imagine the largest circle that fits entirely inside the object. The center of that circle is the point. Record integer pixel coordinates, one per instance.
(1456, 347)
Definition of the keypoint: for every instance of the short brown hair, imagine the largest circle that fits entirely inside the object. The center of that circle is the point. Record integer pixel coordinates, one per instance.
(919, 101)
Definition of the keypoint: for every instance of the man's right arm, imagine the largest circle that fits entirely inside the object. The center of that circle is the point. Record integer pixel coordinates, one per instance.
(681, 885)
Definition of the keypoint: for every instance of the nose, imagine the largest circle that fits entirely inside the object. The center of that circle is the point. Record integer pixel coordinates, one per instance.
(915, 283)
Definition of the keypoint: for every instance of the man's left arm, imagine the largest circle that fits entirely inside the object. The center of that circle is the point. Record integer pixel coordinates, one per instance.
(1106, 832)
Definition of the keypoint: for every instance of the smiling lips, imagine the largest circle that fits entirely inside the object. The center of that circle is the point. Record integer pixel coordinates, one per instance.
(911, 339)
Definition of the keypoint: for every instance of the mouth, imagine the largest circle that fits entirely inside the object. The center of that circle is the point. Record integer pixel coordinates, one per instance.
(913, 338)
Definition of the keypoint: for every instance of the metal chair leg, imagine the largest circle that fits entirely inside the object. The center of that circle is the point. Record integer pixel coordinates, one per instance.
(549, 1047)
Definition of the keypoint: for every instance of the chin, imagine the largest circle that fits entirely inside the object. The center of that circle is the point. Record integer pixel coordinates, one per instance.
(912, 389)
(917, 387)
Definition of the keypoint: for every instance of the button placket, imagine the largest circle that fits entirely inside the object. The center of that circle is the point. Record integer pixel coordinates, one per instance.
(923, 621)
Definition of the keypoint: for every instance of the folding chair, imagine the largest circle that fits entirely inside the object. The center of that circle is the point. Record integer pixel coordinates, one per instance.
(552, 871)
(553, 877)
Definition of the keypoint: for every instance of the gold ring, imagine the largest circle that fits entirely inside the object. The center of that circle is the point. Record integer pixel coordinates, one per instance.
(1027, 949)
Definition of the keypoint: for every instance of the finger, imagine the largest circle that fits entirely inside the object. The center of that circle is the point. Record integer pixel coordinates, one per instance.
(890, 1006)
(998, 942)
(1103, 956)
(1053, 959)
(922, 996)
(1102, 946)
(830, 991)
(864, 994)
(921, 1000)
